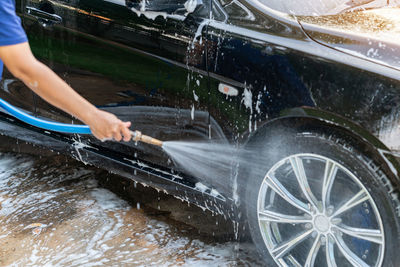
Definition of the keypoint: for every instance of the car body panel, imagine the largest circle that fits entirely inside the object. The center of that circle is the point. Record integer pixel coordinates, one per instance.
(282, 73)
(373, 34)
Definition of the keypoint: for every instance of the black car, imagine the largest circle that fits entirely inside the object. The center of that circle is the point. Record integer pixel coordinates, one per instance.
(309, 89)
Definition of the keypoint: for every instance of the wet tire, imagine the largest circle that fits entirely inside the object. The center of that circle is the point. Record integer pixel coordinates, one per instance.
(314, 201)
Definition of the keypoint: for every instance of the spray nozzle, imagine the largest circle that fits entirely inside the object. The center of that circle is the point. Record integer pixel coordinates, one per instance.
(138, 136)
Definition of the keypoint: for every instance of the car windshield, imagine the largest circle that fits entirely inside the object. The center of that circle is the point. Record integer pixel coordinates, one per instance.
(325, 7)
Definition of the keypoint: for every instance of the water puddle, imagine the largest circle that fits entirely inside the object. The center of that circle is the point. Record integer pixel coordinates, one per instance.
(53, 213)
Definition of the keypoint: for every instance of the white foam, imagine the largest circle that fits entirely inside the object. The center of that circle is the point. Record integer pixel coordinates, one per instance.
(247, 99)
(196, 97)
(192, 113)
(190, 6)
(201, 187)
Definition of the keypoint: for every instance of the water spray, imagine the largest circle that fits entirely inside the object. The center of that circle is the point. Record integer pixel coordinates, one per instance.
(137, 136)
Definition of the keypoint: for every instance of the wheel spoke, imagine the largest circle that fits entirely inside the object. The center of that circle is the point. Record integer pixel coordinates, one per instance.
(281, 250)
(298, 168)
(347, 253)
(330, 254)
(272, 216)
(372, 235)
(329, 177)
(360, 197)
(275, 185)
(313, 252)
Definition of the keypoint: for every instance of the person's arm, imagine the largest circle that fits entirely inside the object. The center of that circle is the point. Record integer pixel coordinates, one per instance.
(43, 81)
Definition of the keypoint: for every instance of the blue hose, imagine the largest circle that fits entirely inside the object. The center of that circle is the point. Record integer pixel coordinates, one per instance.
(47, 125)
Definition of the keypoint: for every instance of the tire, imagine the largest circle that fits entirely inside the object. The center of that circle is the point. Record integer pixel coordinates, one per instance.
(297, 227)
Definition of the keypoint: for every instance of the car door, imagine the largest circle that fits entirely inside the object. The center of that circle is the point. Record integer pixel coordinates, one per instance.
(145, 64)
(254, 75)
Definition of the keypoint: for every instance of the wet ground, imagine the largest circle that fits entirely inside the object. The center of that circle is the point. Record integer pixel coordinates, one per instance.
(57, 212)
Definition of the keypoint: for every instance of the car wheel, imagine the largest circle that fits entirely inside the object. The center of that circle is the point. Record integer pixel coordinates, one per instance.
(320, 203)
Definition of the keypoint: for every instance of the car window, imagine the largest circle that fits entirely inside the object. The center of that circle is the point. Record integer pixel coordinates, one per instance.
(168, 8)
(236, 10)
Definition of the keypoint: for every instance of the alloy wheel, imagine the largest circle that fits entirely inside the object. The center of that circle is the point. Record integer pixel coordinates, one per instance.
(312, 211)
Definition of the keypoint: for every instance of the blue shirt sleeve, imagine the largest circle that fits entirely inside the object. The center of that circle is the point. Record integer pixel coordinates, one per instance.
(11, 31)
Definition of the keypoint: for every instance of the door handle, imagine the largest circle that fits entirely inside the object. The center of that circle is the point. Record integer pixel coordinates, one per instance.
(43, 16)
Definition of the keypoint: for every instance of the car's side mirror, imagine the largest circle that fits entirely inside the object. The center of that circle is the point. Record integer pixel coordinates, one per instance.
(171, 7)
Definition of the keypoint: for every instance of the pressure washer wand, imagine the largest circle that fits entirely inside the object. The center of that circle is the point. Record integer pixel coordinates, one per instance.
(138, 136)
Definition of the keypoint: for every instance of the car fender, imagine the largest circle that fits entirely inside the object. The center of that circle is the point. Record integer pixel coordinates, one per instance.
(306, 120)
